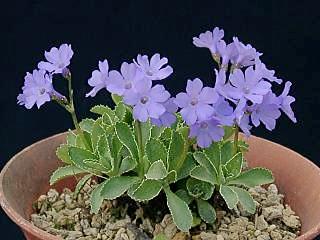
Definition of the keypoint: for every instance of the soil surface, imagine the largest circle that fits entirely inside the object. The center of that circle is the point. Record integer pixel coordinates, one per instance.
(68, 216)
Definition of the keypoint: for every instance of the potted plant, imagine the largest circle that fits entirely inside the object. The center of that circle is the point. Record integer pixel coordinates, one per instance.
(163, 167)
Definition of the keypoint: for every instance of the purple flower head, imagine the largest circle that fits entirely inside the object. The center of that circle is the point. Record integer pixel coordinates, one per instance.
(147, 101)
(224, 112)
(285, 102)
(245, 54)
(266, 112)
(265, 73)
(153, 68)
(99, 78)
(57, 59)
(209, 39)
(226, 52)
(248, 86)
(123, 83)
(37, 89)
(168, 117)
(206, 132)
(195, 103)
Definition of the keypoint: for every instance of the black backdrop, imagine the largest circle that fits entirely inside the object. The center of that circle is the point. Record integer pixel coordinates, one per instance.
(286, 32)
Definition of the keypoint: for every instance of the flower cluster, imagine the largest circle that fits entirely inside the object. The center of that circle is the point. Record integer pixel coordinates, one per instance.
(134, 83)
(242, 94)
(38, 88)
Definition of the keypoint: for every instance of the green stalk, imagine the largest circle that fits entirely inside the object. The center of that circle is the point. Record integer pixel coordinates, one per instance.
(139, 139)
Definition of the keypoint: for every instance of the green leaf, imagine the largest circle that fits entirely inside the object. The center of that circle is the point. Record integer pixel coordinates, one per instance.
(81, 183)
(156, 131)
(157, 171)
(63, 172)
(229, 196)
(201, 173)
(234, 165)
(96, 199)
(177, 152)
(87, 124)
(62, 153)
(116, 186)
(186, 167)
(127, 164)
(243, 146)
(206, 211)
(145, 132)
(78, 155)
(199, 189)
(245, 199)
(228, 132)
(171, 177)
(203, 160)
(183, 194)
(155, 150)
(104, 153)
(71, 138)
(226, 152)
(126, 137)
(120, 111)
(95, 165)
(102, 110)
(116, 98)
(147, 190)
(253, 177)
(180, 211)
(96, 132)
(214, 154)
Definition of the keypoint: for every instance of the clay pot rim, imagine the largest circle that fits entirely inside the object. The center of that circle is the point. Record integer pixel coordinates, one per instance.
(30, 228)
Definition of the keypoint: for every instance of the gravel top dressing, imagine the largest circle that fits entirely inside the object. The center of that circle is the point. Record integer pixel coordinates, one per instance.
(68, 215)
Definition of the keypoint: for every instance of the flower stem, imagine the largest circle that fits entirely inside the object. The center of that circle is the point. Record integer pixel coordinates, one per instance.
(70, 108)
(236, 140)
(139, 139)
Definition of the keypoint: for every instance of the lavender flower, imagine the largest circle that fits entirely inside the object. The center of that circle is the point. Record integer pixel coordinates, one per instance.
(122, 83)
(245, 54)
(209, 39)
(196, 102)
(168, 117)
(244, 124)
(37, 89)
(99, 78)
(266, 112)
(153, 69)
(207, 132)
(58, 59)
(265, 73)
(147, 101)
(248, 86)
(226, 52)
(224, 112)
(285, 102)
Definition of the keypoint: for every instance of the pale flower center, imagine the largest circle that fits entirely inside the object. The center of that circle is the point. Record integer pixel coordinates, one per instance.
(194, 101)
(203, 125)
(42, 91)
(128, 85)
(246, 90)
(144, 100)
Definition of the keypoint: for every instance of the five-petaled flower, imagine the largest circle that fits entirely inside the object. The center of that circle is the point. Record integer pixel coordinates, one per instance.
(206, 132)
(147, 101)
(37, 89)
(195, 103)
(244, 55)
(154, 69)
(249, 86)
(209, 39)
(57, 59)
(285, 102)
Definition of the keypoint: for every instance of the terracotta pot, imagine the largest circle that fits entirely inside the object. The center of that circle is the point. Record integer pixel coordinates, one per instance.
(26, 177)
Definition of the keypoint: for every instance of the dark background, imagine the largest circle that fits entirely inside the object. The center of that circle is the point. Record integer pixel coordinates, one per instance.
(286, 32)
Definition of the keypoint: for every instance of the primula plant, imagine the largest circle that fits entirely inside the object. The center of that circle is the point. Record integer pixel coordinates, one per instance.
(187, 146)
